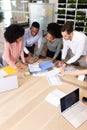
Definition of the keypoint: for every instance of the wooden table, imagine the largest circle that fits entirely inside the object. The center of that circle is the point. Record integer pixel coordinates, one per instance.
(25, 108)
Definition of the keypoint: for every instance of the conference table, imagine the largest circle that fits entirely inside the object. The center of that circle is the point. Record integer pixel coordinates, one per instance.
(25, 108)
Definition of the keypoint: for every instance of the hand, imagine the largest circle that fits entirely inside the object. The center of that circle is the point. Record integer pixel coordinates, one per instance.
(42, 57)
(30, 55)
(53, 60)
(19, 68)
(25, 63)
(62, 69)
(61, 64)
(33, 59)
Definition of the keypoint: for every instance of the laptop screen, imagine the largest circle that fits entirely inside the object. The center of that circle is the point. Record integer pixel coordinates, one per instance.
(68, 100)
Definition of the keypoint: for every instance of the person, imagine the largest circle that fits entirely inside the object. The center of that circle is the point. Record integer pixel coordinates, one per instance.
(32, 36)
(13, 46)
(77, 72)
(53, 41)
(74, 46)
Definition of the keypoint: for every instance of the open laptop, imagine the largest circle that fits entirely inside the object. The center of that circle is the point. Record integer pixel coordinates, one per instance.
(72, 109)
(8, 83)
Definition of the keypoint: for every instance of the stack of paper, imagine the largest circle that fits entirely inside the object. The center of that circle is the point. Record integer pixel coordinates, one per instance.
(38, 67)
(34, 67)
(54, 97)
(70, 68)
(53, 80)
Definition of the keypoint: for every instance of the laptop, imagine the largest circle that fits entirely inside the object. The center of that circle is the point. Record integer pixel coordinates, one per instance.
(8, 83)
(72, 109)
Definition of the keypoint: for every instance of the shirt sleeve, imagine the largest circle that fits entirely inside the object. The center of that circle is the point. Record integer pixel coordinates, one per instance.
(40, 40)
(58, 48)
(41, 47)
(79, 52)
(65, 49)
(26, 50)
(8, 56)
(22, 54)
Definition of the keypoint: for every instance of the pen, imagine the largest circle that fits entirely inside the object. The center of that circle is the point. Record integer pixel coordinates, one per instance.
(60, 74)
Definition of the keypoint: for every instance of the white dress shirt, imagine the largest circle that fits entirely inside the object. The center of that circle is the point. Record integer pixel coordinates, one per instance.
(29, 40)
(78, 46)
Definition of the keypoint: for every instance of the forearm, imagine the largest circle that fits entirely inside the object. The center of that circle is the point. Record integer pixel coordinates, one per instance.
(39, 50)
(12, 64)
(22, 56)
(76, 72)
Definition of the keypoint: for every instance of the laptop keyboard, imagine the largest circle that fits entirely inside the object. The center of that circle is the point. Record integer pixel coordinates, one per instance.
(77, 114)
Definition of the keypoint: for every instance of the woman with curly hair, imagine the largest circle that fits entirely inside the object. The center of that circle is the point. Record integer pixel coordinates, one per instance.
(53, 41)
(13, 45)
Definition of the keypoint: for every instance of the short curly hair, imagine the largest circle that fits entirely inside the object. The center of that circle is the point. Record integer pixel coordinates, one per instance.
(36, 25)
(54, 29)
(13, 32)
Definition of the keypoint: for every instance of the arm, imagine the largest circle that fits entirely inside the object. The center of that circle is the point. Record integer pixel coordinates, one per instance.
(22, 56)
(65, 49)
(41, 47)
(40, 39)
(58, 48)
(24, 42)
(8, 56)
(22, 53)
(75, 73)
(79, 52)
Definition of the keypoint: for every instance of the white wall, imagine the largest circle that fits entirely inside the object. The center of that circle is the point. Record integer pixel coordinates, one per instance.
(55, 8)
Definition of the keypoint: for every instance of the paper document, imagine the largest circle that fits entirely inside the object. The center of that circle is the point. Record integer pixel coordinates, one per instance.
(70, 68)
(81, 77)
(34, 67)
(37, 67)
(53, 80)
(54, 97)
(54, 71)
(41, 73)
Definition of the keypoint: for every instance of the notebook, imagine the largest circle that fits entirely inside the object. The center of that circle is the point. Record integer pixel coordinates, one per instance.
(72, 109)
(46, 65)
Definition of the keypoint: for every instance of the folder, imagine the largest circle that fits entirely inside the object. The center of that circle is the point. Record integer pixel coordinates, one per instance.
(46, 65)
(9, 70)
